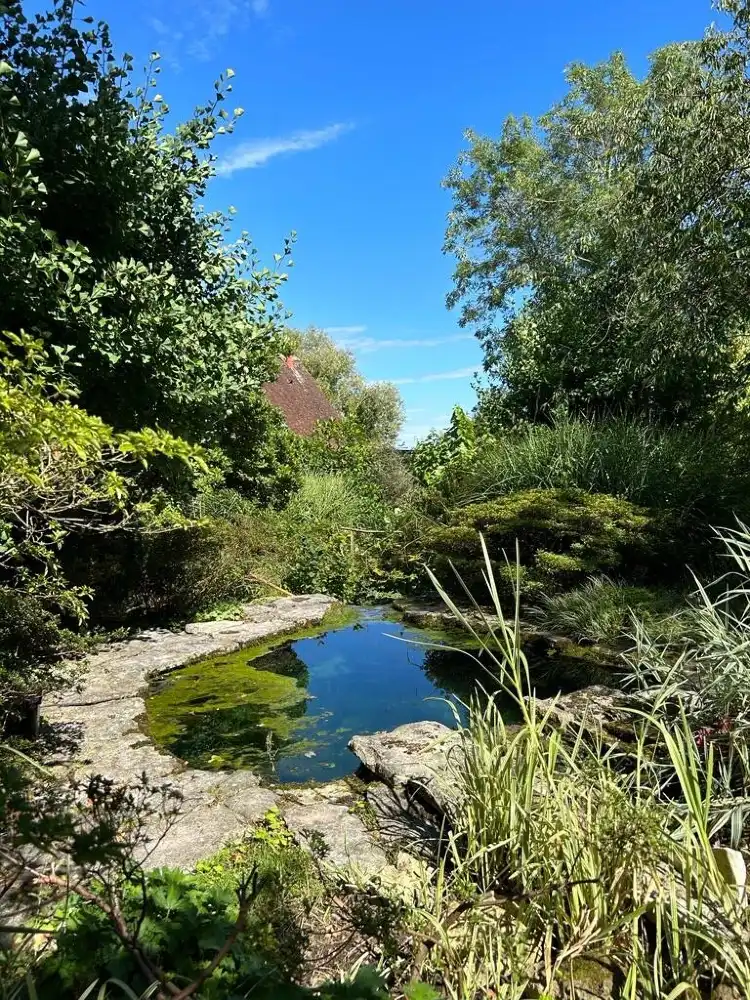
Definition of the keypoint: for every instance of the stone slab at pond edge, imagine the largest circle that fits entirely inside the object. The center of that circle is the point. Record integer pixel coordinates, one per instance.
(97, 729)
(415, 761)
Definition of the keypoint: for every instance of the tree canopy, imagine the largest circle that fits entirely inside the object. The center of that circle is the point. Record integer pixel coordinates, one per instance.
(104, 246)
(603, 250)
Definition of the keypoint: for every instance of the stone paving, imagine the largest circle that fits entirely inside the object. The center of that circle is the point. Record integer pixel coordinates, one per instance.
(97, 730)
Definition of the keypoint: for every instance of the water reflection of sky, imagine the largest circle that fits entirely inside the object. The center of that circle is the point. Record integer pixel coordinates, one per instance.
(352, 680)
(290, 713)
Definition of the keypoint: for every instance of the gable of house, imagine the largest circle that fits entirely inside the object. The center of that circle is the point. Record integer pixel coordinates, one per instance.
(299, 397)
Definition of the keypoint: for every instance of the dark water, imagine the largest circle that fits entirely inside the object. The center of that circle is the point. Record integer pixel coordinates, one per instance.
(290, 713)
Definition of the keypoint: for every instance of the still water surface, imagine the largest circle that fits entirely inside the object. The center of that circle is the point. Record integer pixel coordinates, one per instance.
(289, 713)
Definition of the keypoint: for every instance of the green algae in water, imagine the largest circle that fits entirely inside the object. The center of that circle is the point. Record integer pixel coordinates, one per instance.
(227, 712)
(287, 711)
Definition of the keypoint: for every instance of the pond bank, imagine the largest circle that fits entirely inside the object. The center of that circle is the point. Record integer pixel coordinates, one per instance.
(96, 729)
(99, 730)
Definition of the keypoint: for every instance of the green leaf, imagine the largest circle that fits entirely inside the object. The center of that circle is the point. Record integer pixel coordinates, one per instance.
(420, 991)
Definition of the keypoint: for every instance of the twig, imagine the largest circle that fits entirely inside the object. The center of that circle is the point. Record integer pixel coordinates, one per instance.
(267, 583)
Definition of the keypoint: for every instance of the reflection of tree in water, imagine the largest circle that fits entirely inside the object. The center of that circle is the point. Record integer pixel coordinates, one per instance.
(225, 716)
(286, 662)
(238, 737)
(556, 674)
(460, 674)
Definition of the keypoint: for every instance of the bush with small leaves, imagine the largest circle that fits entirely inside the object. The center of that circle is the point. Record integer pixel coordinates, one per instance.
(563, 536)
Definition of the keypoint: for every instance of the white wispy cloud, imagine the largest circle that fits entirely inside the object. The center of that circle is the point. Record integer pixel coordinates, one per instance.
(366, 345)
(344, 331)
(435, 376)
(256, 152)
(350, 337)
(196, 28)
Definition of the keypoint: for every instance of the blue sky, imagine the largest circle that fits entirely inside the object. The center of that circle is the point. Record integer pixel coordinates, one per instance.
(354, 112)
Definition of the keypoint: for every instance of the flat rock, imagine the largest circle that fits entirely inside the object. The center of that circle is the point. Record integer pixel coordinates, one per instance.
(327, 818)
(438, 616)
(96, 730)
(595, 707)
(415, 760)
(211, 815)
(122, 669)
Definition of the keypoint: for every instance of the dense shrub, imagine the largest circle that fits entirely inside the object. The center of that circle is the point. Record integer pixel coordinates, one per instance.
(433, 458)
(35, 654)
(263, 455)
(698, 475)
(563, 536)
(63, 472)
(338, 525)
(342, 447)
(334, 501)
(329, 538)
(711, 674)
(174, 575)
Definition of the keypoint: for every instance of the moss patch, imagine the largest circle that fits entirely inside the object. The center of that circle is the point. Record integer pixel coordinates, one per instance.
(223, 712)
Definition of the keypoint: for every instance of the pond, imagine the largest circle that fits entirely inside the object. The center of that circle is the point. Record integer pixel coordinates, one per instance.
(288, 710)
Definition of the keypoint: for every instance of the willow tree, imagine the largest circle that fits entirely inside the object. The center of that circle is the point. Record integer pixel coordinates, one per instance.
(374, 408)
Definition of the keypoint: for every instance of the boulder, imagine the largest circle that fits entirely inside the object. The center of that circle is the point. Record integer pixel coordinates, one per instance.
(439, 617)
(732, 866)
(416, 761)
(597, 707)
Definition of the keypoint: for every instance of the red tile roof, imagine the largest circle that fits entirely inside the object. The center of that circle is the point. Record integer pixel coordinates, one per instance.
(299, 397)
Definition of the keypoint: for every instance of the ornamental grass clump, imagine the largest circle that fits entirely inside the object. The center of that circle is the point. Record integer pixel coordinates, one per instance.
(568, 861)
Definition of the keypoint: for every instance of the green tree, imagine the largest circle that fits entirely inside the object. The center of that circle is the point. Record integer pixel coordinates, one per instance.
(62, 471)
(603, 249)
(376, 408)
(103, 245)
(435, 454)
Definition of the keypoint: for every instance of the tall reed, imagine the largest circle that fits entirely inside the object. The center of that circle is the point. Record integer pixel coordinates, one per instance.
(566, 857)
